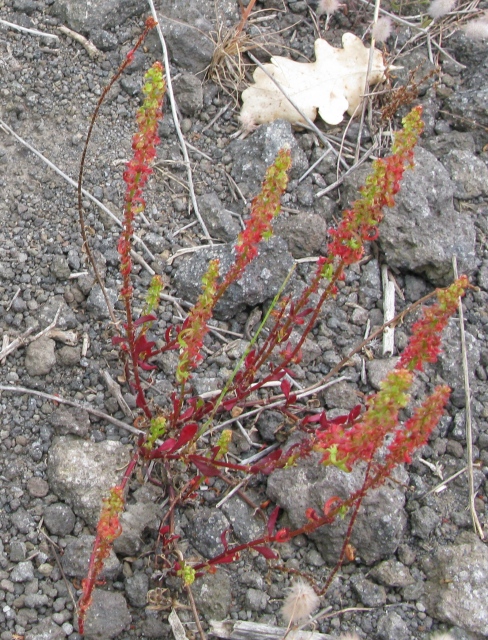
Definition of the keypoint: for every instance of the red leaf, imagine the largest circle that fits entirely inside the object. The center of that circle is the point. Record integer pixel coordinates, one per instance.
(145, 366)
(335, 501)
(187, 433)
(187, 414)
(267, 465)
(205, 468)
(166, 446)
(140, 400)
(354, 413)
(223, 538)
(285, 388)
(250, 358)
(272, 520)
(266, 552)
(118, 340)
(230, 404)
(227, 559)
(144, 319)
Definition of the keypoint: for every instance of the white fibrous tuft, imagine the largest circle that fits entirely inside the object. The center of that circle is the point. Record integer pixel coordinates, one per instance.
(439, 8)
(350, 636)
(382, 29)
(477, 29)
(442, 636)
(328, 7)
(248, 124)
(300, 602)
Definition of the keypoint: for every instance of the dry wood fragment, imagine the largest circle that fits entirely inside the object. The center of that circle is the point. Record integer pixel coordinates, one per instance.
(243, 630)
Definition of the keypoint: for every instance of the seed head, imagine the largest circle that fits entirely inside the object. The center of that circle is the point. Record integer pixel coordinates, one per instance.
(300, 602)
(439, 8)
(328, 7)
(477, 29)
(382, 29)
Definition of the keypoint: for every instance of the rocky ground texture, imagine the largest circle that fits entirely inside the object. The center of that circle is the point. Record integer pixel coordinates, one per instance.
(419, 566)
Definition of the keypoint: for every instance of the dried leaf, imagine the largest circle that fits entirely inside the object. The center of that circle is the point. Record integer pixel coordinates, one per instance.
(331, 85)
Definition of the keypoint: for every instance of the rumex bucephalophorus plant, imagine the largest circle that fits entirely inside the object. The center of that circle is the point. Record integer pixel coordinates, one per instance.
(174, 435)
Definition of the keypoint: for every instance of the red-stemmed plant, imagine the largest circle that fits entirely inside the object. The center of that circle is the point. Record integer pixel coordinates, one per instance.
(173, 434)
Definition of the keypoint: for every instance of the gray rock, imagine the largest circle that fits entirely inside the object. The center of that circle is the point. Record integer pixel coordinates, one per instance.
(370, 283)
(36, 600)
(23, 572)
(59, 519)
(246, 525)
(260, 281)
(457, 586)
(305, 234)
(267, 424)
(381, 520)
(131, 84)
(37, 487)
(391, 625)
(153, 627)
(450, 356)
(256, 600)
(96, 302)
(40, 357)
(213, 595)
(423, 521)
(370, 594)
(136, 588)
(46, 630)
(18, 551)
(103, 14)
(220, 223)
(107, 616)
(483, 276)
(468, 173)
(470, 99)
(441, 145)
(60, 268)
(378, 370)
(310, 350)
(104, 40)
(81, 473)
(66, 319)
(255, 154)
(87, 281)
(189, 94)
(136, 518)
(69, 356)
(23, 521)
(341, 396)
(25, 6)
(76, 558)
(204, 531)
(190, 28)
(423, 231)
(392, 573)
(73, 420)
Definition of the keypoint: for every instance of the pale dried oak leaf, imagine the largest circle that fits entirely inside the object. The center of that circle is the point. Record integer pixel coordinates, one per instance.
(331, 85)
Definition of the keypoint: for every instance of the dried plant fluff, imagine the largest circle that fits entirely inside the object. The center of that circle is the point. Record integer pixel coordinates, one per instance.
(350, 636)
(247, 122)
(300, 602)
(442, 636)
(328, 7)
(477, 29)
(382, 29)
(439, 8)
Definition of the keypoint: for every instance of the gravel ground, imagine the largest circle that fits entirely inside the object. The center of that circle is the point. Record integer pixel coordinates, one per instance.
(419, 567)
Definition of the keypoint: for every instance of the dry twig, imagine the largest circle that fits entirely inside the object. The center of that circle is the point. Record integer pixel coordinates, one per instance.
(469, 431)
(174, 112)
